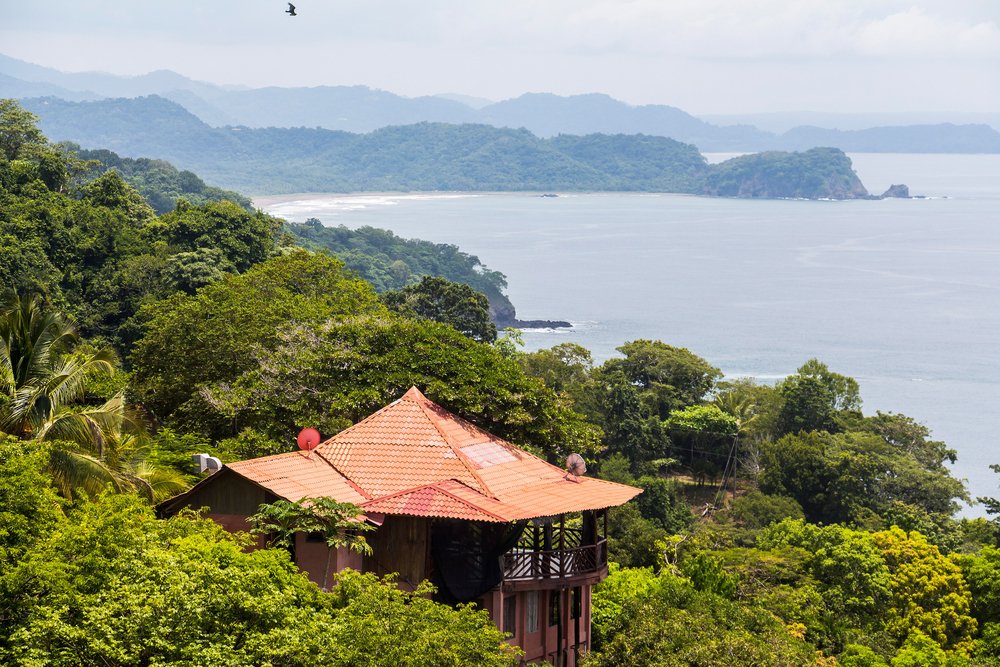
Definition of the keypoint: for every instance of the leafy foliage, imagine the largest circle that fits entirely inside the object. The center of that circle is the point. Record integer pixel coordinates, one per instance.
(838, 477)
(337, 373)
(814, 397)
(441, 300)
(43, 381)
(116, 586)
(196, 340)
(667, 621)
(389, 262)
(159, 182)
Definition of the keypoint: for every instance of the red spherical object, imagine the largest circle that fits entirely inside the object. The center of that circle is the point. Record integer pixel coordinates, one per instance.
(308, 439)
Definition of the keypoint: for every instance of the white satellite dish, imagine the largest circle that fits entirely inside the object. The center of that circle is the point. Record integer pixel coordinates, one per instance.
(575, 465)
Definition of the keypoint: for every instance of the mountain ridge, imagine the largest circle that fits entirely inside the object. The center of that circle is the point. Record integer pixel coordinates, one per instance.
(361, 109)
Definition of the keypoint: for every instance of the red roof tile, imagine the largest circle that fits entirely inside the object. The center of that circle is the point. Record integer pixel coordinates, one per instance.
(444, 499)
(413, 457)
(297, 475)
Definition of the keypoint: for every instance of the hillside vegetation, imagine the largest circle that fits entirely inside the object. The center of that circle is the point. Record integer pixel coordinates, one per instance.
(429, 156)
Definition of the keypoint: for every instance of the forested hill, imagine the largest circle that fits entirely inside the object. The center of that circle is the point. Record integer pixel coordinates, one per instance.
(160, 182)
(425, 156)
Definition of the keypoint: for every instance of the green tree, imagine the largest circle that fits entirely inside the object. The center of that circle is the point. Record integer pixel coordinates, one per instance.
(849, 565)
(704, 436)
(670, 623)
(113, 585)
(756, 510)
(336, 374)
(669, 378)
(565, 367)
(29, 508)
(190, 271)
(440, 300)
(243, 238)
(662, 501)
(191, 341)
(18, 128)
(622, 585)
(814, 397)
(110, 190)
(928, 592)
(617, 407)
(378, 624)
(844, 476)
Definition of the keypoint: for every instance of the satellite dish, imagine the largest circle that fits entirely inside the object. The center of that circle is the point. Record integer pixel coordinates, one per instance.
(575, 465)
(308, 439)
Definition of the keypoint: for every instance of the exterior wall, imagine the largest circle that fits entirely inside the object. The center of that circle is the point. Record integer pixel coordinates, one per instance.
(400, 545)
(311, 557)
(227, 495)
(234, 523)
(542, 642)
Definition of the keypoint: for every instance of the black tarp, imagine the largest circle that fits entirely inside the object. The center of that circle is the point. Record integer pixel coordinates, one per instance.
(467, 556)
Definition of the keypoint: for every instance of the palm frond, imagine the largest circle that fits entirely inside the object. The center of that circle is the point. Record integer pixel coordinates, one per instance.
(101, 430)
(161, 483)
(74, 472)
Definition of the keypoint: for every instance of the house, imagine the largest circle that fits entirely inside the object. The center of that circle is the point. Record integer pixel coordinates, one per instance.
(485, 521)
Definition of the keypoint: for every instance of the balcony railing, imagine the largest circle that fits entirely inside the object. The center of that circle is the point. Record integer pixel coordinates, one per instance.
(522, 564)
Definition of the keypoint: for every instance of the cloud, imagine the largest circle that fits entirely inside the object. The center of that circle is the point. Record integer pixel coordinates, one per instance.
(915, 32)
(699, 54)
(713, 29)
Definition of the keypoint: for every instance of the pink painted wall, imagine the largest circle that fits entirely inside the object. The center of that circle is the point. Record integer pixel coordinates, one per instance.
(542, 644)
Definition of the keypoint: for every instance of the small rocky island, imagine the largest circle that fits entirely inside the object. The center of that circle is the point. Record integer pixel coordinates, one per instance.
(896, 192)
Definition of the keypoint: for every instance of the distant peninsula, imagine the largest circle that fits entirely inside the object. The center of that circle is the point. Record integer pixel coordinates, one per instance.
(436, 156)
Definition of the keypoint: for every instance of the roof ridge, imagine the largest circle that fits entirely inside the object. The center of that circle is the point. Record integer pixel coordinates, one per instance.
(354, 485)
(435, 486)
(484, 489)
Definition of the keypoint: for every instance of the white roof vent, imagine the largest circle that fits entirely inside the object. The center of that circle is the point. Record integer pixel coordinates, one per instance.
(205, 463)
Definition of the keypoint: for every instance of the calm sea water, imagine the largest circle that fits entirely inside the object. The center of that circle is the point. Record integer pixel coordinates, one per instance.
(903, 295)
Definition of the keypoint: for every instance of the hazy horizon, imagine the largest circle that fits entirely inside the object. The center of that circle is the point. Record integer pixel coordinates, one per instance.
(706, 57)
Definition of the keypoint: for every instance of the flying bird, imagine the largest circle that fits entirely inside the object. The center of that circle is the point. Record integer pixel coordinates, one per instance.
(291, 10)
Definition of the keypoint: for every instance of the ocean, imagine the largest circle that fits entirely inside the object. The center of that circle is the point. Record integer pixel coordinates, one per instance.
(903, 295)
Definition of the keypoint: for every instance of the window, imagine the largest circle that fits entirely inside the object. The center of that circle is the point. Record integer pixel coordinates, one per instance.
(531, 611)
(510, 614)
(555, 609)
(577, 606)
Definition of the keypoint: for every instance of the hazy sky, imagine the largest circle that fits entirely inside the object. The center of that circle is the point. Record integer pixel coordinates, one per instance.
(705, 56)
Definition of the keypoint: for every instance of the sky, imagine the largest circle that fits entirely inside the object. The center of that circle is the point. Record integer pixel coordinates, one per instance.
(704, 56)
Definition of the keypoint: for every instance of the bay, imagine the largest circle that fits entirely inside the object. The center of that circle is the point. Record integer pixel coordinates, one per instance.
(903, 295)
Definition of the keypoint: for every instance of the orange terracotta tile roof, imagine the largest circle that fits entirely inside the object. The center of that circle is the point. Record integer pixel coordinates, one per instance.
(297, 475)
(415, 458)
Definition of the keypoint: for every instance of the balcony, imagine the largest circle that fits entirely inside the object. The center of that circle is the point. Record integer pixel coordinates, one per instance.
(555, 556)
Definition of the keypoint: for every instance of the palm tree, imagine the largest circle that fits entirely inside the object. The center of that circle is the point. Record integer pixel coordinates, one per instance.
(43, 379)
